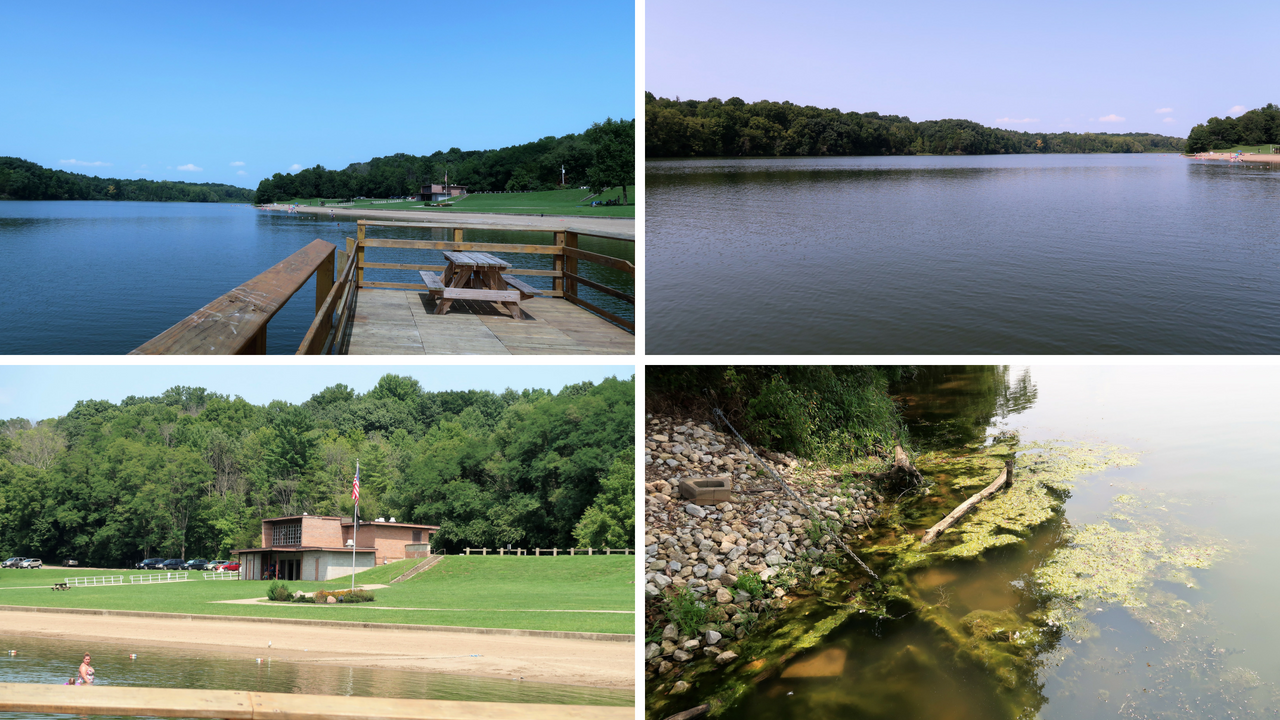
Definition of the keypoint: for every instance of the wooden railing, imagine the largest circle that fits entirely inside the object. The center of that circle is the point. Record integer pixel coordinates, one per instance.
(551, 552)
(236, 323)
(334, 313)
(241, 705)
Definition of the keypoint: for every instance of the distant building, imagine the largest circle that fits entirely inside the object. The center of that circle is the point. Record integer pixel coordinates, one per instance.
(436, 193)
(314, 547)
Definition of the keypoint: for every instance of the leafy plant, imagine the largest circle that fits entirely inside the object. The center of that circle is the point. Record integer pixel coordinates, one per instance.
(750, 583)
(687, 611)
(278, 592)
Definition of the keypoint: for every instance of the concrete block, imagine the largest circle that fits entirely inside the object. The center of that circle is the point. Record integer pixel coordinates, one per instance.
(706, 491)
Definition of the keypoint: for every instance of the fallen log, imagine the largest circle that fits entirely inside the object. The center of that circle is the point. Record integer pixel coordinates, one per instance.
(1006, 475)
(690, 713)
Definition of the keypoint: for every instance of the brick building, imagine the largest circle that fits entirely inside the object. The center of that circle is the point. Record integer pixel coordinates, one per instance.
(314, 547)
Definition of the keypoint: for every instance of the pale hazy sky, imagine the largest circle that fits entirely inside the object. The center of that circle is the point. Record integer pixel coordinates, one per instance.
(40, 392)
(235, 91)
(1038, 66)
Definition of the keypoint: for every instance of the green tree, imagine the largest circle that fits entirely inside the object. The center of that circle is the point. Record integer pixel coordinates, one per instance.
(613, 145)
(610, 522)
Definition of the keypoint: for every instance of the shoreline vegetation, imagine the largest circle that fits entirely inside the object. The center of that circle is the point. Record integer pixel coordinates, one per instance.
(567, 202)
(24, 180)
(733, 128)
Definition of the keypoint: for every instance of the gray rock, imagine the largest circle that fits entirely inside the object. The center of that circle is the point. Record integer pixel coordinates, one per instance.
(773, 559)
(715, 572)
(695, 511)
(723, 596)
(711, 637)
(652, 590)
(679, 687)
(664, 667)
(662, 581)
(670, 632)
(691, 645)
(736, 552)
(681, 656)
(725, 658)
(652, 650)
(700, 569)
(674, 566)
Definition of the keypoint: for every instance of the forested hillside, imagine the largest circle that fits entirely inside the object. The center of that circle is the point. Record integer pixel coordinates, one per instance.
(601, 157)
(191, 473)
(1259, 126)
(715, 128)
(23, 180)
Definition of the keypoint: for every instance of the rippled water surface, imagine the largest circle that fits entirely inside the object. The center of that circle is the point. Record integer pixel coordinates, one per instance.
(52, 661)
(83, 277)
(1061, 254)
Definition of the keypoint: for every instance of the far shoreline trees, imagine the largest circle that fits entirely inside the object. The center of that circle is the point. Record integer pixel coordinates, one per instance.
(24, 180)
(605, 153)
(1260, 126)
(191, 473)
(734, 128)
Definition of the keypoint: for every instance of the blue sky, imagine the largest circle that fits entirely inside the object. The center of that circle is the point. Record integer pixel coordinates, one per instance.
(1036, 66)
(233, 92)
(40, 392)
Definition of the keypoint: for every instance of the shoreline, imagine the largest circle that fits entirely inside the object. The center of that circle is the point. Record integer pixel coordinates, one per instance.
(579, 662)
(1232, 157)
(549, 222)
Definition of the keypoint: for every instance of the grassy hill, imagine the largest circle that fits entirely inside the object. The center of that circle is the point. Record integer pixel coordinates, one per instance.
(460, 591)
(550, 202)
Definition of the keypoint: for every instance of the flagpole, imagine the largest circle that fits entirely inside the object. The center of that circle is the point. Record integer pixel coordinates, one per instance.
(355, 528)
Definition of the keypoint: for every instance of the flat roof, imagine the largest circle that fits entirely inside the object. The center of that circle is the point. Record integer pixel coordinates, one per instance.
(347, 521)
(300, 548)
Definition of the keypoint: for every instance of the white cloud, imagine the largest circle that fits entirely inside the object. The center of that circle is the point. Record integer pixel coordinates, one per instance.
(1016, 121)
(1164, 110)
(237, 164)
(84, 163)
(189, 168)
(1168, 119)
(241, 172)
(295, 167)
(1237, 109)
(1111, 118)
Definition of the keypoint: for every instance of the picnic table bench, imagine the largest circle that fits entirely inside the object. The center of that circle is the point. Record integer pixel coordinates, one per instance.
(59, 586)
(476, 276)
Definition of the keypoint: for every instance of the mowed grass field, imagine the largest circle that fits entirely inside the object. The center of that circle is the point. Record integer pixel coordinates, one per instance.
(459, 591)
(550, 202)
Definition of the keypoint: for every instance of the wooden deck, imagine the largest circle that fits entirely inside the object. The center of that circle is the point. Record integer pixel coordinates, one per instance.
(396, 322)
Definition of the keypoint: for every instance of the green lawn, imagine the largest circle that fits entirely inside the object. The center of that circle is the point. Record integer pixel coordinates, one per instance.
(475, 586)
(1259, 149)
(553, 202)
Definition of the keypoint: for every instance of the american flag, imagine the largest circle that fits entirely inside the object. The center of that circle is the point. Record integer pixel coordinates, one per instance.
(355, 486)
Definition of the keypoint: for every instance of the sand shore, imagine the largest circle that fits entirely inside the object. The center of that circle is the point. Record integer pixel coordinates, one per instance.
(571, 662)
(602, 224)
(1246, 158)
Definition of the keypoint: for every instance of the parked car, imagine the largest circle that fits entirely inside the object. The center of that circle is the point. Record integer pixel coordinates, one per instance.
(174, 564)
(31, 564)
(233, 566)
(150, 564)
(197, 564)
(12, 562)
(70, 563)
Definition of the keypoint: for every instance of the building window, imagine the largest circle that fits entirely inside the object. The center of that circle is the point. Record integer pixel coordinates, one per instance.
(290, 534)
(417, 536)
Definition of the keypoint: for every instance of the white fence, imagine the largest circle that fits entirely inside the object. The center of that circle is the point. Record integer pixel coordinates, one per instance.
(220, 575)
(94, 581)
(551, 552)
(163, 577)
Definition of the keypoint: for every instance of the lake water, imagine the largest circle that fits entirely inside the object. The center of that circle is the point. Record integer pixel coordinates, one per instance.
(52, 661)
(1006, 254)
(105, 277)
(1204, 646)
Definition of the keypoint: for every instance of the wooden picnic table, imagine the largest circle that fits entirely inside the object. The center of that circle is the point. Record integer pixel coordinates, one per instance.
(476, 276)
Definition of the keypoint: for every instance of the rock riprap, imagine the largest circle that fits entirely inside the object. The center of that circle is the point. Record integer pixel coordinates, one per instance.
(705, 549)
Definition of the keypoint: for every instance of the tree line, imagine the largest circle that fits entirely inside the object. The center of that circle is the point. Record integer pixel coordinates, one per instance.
(601, 157)
(1259, 126)
(191, 473)
(24, 180)
(715, 128)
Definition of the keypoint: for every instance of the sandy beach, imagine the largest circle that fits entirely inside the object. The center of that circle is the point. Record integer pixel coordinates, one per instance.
(458, 219)
(1246, 158)
(571, 662)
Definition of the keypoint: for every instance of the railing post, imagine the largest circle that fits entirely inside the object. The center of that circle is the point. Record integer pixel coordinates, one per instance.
(557, 282)
(359, 254)
(571, 264)
(457, 235)
(257, 345)
(324, 283)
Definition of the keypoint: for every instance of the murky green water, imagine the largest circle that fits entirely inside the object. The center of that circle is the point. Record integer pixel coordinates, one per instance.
(1155, 637)
(52, 661)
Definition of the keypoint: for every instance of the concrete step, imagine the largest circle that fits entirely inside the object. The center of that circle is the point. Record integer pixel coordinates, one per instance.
(420, 567)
